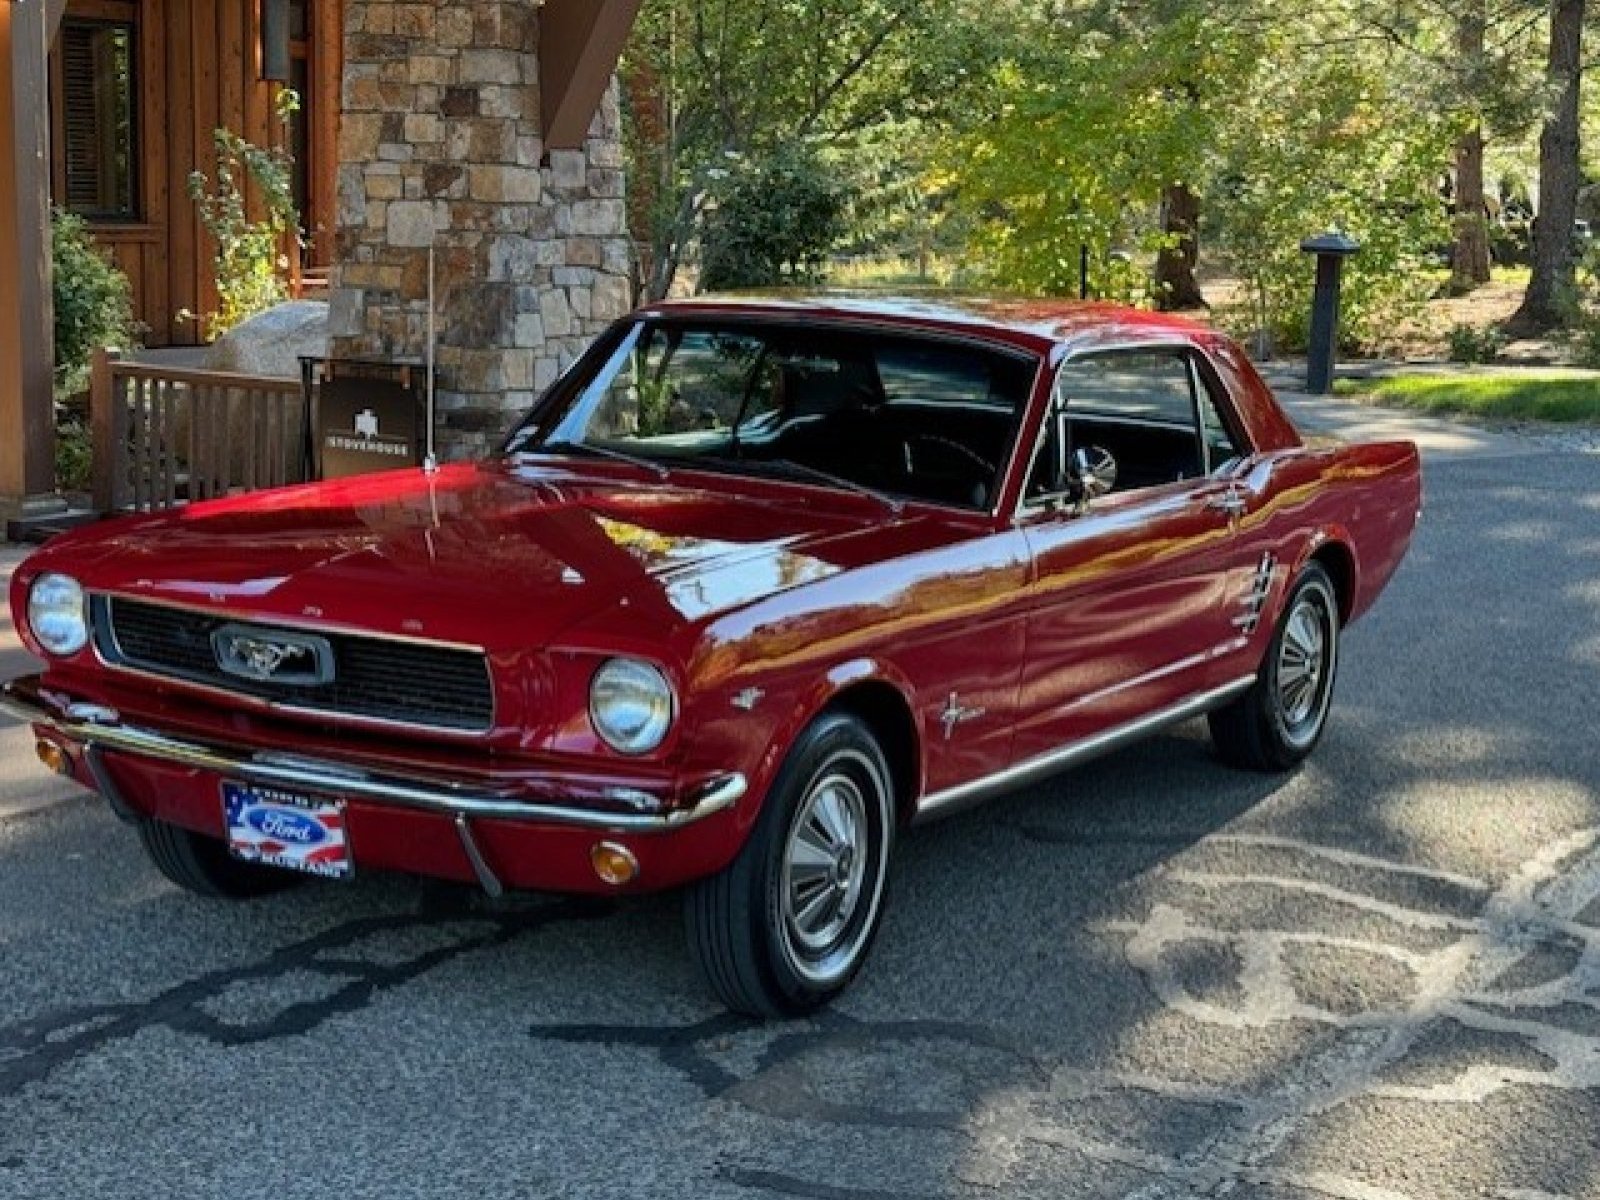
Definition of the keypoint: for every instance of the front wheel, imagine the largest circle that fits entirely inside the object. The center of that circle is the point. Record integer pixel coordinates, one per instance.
(788, 924)
(203, 865)
(1278, 722)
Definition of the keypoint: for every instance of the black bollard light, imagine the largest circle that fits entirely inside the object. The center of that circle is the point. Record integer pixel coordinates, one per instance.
(1331, 249)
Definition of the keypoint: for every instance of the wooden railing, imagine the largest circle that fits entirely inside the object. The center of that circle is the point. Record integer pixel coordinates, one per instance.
(163, 437)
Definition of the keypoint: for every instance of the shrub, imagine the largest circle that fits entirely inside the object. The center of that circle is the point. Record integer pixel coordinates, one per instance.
(251, 268)
(74, 452)
(774, 222)
(1586, 341)
(1470, 345)
(93, 303)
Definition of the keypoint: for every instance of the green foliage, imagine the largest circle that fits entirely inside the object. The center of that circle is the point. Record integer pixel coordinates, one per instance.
(1470, 345)
(1329, 142)
(1097, 114)
(93, 303)
(74, 453)
(1105, 107)
(252, 269)
(870, 78)
(774, 222)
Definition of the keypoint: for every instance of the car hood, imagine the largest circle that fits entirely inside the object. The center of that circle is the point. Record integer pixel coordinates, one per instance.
(503, 557)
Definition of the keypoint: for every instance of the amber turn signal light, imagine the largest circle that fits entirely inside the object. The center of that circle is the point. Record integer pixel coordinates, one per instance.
(53, 756)
(614, 864)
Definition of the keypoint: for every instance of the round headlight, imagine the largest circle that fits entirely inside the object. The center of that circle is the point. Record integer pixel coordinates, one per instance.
(630, 704)
(57, 614)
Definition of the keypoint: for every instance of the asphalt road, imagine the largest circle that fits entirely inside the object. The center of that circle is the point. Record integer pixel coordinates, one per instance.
(1378, 978)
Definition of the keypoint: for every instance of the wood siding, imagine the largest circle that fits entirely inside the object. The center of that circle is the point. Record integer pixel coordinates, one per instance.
(197, 69)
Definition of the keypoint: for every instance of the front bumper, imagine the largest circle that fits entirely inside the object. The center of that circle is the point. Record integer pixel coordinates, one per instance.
(96, 730)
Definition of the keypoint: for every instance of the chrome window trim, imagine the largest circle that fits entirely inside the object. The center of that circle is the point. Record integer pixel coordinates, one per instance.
(1029, 509)
(996, 343)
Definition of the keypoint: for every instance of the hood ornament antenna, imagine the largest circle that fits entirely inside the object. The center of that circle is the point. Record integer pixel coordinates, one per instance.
(430, 463)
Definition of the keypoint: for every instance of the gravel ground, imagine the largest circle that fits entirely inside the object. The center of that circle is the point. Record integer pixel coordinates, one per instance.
(1377, 978)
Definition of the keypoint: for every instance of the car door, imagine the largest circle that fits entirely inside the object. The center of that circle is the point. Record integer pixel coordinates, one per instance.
(1129, 607)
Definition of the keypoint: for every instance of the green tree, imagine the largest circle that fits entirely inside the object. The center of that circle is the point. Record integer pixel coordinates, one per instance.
(712, 84)
(774, 223)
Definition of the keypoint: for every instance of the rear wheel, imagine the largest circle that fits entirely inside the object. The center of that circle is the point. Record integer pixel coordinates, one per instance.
(788, 924)
(204, 866)
(1278, 722)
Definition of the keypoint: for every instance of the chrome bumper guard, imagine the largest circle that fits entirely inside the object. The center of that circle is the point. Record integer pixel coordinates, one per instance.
(99, 728)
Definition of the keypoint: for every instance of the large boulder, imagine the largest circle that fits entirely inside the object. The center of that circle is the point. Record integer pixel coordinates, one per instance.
(272, 343)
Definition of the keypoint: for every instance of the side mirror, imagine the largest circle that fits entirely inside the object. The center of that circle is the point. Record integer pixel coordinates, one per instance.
(1091, 472)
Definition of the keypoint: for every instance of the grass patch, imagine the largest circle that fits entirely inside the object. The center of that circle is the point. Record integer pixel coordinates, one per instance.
(1529, 397)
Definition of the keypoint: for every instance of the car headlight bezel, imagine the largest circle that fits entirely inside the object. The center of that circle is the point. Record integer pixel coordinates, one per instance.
(632, 705)
(58, 614)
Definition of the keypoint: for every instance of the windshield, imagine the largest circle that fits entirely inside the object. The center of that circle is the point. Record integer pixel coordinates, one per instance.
(901, 416)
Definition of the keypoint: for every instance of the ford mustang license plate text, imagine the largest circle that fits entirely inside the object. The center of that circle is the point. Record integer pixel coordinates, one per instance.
(282, 829)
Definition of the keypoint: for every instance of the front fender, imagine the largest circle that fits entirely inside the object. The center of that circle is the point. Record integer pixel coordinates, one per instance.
(751, 726)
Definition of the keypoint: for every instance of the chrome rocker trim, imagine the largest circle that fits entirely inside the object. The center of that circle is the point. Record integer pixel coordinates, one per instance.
(957, 799)
(98, 728)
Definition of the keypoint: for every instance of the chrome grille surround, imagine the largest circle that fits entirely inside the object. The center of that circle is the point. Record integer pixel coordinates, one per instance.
(375, 679)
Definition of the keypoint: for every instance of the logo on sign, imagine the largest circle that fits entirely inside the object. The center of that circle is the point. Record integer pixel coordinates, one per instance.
(284, 826)
(364, 436)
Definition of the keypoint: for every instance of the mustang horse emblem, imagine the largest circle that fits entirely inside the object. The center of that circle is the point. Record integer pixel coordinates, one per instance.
(266, 657)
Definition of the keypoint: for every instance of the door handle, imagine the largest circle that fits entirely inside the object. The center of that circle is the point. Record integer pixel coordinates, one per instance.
(1230, 502)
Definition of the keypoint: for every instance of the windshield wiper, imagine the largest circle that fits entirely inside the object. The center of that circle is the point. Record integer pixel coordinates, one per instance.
(892, 503)
(661, 470)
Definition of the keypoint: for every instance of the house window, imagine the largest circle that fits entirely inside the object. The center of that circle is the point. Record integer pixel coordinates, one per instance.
(95, 119)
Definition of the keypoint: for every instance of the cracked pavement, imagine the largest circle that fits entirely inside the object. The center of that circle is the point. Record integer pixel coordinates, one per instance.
(1376, 979)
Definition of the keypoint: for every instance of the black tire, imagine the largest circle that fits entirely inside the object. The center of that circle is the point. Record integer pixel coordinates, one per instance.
(757, 953)
(203, 865)
(1263, 730)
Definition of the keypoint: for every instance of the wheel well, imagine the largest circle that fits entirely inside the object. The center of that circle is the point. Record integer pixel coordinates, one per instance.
(892, 722)
(1340, 564)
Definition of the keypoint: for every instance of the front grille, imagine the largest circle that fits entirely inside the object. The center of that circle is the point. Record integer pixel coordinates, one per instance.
(373, 677)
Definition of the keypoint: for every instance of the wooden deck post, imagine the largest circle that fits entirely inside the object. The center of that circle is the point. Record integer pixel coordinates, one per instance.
(103, 434)
(27, 415)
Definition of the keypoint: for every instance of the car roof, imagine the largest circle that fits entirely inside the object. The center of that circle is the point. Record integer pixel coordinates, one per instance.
(1041, 325)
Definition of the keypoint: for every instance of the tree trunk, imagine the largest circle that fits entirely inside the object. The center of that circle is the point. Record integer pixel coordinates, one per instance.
(1176, 286)
(1470, 257)
(1549, 291)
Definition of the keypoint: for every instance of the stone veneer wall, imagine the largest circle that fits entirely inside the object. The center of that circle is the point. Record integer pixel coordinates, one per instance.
(440, 141)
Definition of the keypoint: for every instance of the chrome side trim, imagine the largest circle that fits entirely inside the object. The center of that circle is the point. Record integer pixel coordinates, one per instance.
(953, 800)
(23, 699)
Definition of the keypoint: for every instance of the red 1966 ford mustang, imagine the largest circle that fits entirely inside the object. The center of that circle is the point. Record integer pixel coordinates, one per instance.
(758, 584)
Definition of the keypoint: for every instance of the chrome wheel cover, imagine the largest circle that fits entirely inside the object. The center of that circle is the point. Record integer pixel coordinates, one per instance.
(1307, 655)
(832, 871)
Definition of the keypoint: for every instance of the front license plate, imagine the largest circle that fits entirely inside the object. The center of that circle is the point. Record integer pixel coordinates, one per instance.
(283, 829)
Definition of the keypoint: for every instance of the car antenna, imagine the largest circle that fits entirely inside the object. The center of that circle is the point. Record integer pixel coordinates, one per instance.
(430, 462)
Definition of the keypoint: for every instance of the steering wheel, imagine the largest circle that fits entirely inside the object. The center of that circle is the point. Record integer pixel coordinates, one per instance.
(966, 452)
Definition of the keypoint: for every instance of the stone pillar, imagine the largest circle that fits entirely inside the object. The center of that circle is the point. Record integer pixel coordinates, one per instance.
(440, 143)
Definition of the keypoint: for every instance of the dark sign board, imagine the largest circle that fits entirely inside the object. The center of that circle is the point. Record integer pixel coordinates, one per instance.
(365, 416)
